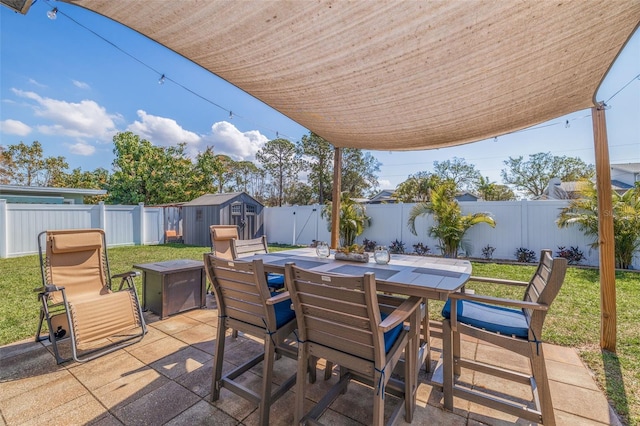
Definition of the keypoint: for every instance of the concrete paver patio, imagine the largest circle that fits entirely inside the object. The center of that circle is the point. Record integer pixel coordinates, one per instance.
(166, 379)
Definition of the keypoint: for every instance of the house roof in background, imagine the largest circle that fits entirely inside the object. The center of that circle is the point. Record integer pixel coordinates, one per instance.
(627, 167)
(49, 191)
(397, 75)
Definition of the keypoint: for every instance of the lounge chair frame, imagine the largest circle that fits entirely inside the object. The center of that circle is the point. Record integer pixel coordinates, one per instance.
(57, 300)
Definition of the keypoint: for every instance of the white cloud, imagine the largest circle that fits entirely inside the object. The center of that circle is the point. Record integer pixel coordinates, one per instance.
(84, 119)
(82, 148)
(36, 83)
(14, 127)
(163, 131)
(385, 184)
(227, 139)
(80, 84)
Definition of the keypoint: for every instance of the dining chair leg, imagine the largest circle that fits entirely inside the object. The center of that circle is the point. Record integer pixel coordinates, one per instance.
(447, 358)
(218, 355)
(267, 378)
(456, 351)
(303, 364)
(539, 373)
(378, 401)
(426, 333)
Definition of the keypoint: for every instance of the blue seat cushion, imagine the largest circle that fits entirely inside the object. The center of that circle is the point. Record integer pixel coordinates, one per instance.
(275, 280)
(497, 319)
(284, 313)
(390, 336)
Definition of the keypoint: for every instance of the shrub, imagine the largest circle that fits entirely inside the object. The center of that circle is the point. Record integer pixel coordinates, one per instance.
(525, 255)
(421, 249)
(396, 247)
(487, 252)
(369, 245)
(573, 254)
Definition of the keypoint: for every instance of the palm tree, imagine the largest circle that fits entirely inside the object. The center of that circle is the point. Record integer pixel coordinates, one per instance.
(583, 212)
(450, 224)
(353, 219)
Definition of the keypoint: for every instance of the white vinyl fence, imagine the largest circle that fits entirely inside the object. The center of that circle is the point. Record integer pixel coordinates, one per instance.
(20, 224)
(526, 224)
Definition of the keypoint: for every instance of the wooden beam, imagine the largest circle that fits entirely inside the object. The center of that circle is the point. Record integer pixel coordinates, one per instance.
(605, 231)
(335, 203)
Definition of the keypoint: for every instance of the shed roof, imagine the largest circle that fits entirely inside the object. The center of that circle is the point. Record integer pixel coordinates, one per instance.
(397, 75)
(217, 199)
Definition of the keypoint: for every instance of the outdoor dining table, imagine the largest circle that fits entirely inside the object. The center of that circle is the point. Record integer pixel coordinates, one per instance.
(421, 276)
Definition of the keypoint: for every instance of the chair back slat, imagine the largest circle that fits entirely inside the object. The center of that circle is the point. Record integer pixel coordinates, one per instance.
(243, 248)
(339, 313)
(241, 290)
(544, 287)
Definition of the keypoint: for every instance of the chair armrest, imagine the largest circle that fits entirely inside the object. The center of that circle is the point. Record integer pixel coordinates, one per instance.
(497, 281)
(280, 297)
(127, 274)
(499, 301)
(400, 314)
(49, 288)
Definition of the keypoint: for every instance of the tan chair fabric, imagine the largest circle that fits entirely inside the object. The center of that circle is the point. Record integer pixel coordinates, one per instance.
(221, 237)
(98, 320)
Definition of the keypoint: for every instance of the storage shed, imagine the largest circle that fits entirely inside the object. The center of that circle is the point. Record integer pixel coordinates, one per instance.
(234, 208)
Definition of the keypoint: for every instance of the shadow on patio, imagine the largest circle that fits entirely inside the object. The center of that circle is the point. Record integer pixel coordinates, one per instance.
(166, 379)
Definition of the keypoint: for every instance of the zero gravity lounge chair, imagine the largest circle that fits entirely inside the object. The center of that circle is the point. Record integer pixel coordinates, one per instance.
(78, 300)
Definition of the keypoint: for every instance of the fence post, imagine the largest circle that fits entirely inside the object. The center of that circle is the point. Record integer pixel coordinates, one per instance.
(102, 216)
(141, 233)
(524, 224)
(294, 228)
(4, 237)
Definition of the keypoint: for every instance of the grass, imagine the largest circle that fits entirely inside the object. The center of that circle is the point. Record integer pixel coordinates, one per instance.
(573, 320)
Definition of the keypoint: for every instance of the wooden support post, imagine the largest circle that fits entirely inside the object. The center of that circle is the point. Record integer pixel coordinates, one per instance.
(335, 203)
(605, 232)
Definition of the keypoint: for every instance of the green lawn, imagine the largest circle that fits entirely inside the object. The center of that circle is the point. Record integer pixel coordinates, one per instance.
(573, 320)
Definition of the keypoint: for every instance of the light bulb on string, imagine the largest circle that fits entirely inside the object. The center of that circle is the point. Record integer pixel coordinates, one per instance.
(495, 139)
(566, 124)
(53, 14)
(230, 115)
(162, 79)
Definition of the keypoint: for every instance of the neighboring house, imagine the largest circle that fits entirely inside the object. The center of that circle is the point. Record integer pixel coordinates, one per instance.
(625, 175)
(18, 194)
(623, 178)
(385, 196)
(235, 208)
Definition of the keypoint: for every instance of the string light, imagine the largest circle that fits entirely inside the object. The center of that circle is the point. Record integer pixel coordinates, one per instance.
(230, 115)
(162, 79)
(567, 125)
(53, 14)
(495, 139)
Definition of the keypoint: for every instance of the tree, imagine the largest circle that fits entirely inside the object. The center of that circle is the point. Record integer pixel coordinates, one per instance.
(359, 171)
(417, 188)
(450, 225)
(24, 164)
(459, 171)
(533, 176)
(97, 179)
(149, 174)
(353, 219)
(300, 193)
(491, 191)
(207, 167)
(317, 156)
(224, 173)
(583, 212)
(248, 177)
(279, 159)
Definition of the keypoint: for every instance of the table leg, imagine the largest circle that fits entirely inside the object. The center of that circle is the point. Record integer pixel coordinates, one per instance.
(425, 343)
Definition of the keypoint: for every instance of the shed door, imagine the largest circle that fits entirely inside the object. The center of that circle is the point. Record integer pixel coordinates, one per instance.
(243, 215)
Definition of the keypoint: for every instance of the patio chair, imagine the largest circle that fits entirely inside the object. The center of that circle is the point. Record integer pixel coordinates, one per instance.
(221, 237)
(340, 319)
(494, 320)
(78, 299)
(245, 304)
(245, 248)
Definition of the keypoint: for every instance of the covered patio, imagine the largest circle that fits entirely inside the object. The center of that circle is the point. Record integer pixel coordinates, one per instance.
(166, 379)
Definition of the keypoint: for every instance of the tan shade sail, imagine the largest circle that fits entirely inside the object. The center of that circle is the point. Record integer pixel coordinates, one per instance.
(395, 75)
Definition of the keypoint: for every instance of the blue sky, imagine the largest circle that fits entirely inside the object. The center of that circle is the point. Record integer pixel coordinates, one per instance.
(72, 91)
